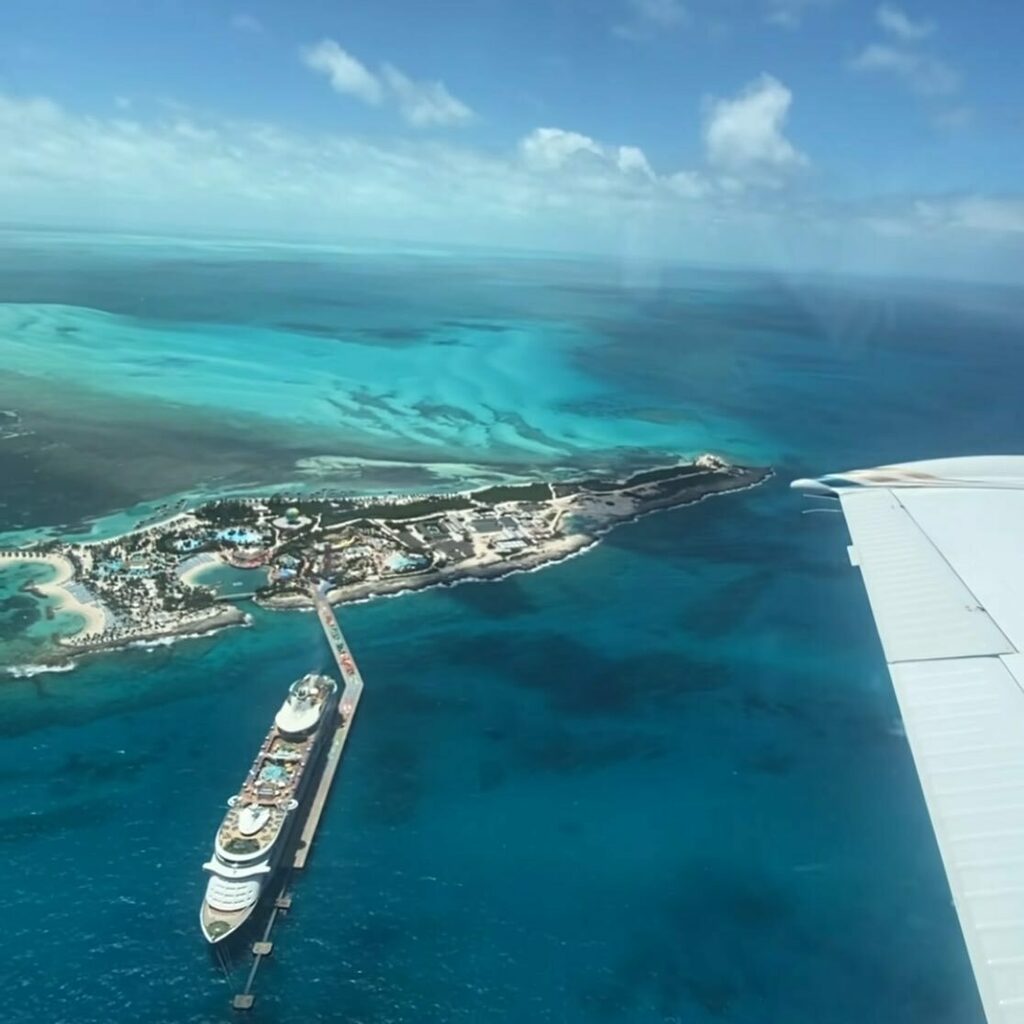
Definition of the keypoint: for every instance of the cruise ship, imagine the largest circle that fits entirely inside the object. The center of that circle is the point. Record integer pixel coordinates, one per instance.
(255, 832)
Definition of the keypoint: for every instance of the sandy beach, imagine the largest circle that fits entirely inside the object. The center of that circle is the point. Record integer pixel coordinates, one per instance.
(94, 616)
(217, 618)
(596, 513)
(193, 572)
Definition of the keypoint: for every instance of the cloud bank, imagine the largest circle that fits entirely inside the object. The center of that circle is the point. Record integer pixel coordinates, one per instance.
(422, 104)
(924, 74)
(751, 199)
(790, 14)
(898, 23)
(647, 19)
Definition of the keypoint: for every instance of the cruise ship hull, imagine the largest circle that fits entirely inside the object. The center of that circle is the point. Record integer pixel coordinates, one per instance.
(257, 833)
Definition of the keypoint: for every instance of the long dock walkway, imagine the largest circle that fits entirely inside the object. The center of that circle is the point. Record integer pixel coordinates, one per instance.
(352, 690)
(347, 706)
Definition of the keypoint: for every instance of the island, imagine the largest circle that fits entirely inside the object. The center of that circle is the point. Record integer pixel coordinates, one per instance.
(147, 584)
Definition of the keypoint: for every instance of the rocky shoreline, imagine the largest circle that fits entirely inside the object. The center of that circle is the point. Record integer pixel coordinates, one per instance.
(472, 537)
(548, 555)
(226, 615)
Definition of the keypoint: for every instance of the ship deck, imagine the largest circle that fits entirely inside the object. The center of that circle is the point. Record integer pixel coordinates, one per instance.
(272, 783)
(343, 717)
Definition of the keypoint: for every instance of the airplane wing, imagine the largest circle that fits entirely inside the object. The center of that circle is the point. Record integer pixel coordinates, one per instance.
(940, 547)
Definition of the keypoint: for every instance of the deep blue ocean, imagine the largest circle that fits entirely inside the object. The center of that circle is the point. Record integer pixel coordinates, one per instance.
(664, 781)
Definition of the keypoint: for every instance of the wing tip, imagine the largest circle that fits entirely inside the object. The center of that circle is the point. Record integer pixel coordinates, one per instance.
(808, 485)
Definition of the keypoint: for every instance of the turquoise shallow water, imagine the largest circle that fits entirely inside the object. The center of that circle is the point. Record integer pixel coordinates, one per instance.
(425, 370)
(29, 622)
(501, 388)
(655, 783)
(664, 781)
(227, 580)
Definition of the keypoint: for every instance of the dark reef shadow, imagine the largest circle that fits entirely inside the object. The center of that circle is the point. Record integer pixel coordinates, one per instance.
(18, 828)
(578, 680)
(396, 785)
(498, 599)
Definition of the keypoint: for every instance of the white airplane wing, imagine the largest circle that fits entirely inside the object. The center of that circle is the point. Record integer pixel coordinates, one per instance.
(940, 546)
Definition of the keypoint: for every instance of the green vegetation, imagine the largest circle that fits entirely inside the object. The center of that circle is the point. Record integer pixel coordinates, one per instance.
(676, 486)
(415, 509)
(166, 542)
(651, 476)
(227, 512)
(513, 492)
(137, 575)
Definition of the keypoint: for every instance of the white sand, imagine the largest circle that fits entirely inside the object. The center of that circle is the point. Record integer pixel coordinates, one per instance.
(191, 575)
(94, 616)
(187, 625)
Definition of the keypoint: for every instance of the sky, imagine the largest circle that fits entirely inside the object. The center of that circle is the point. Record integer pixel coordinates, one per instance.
(798, 134)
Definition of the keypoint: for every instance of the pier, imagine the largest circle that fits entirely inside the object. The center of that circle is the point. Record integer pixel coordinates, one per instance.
(352, 690)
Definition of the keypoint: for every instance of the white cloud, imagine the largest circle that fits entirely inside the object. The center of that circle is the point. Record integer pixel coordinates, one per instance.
(183, 171)
(922, 73)
(743, 137)
(987, 214)
(688, 185)
(947, 220)
(421, 104)
(896, 22)
(245, 22)
(744, 142)
(346, 74)
(547, 149)
(649, 18)
(198, 170)
(790, 13)
(425, 103)
(633, 160)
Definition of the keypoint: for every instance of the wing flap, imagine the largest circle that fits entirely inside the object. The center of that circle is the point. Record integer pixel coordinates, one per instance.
(922, 608)
(978, 533)
(964, 719)
(939, 548)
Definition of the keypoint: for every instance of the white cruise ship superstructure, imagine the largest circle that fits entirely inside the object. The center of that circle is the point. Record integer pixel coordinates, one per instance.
(255, 832)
